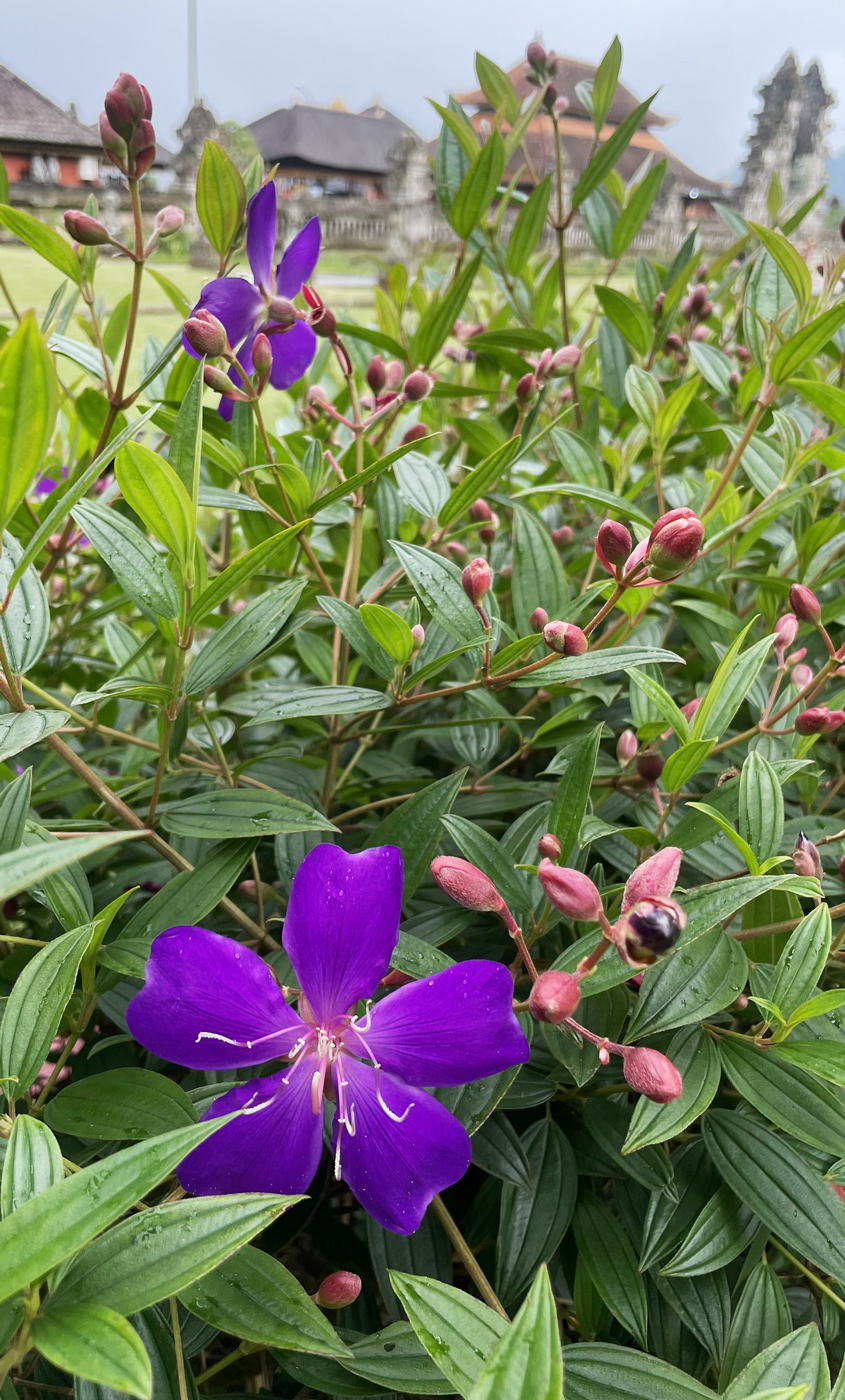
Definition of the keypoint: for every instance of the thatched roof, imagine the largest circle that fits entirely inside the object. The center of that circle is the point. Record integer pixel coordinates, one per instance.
(325, 140)
(28, 118)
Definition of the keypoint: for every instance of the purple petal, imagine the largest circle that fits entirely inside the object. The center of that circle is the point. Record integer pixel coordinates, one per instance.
(233, 301)
(395, 1169)
(299, 260)
(342, 925)
(274, 1146)
(449, 1029)
(293, 352)
(204, 991)
(261, 234)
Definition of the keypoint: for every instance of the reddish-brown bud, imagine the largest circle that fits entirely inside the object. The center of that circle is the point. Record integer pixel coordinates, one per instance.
(842, 867)
(338, 1290)
(570, 891)
(477, 579)
(805, 857)
(466, 884)
(674, 542)
(85, 229)
(613, 544)
(819, 720)
(262, 354)
(650, 766)
(743, 354)
(376, 374)
(417, 386)
(205, 334)
(549, 847)
(626, 746)
(480, 510)
(127, 104)
(526, 388)
(698, 296)
(554, 997)
(168, 221)
(487, 533)
(786, 630)
(536, 55)
(565, 638)
(563, 535)
(658, 305)
(323, 323)
(674, 342)
(805, 604)
(114, 145)
(538, 619)
(413, 434)
(652, 1074)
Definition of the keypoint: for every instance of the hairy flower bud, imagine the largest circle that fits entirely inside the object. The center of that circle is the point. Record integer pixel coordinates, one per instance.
(786, 630)
(805, 857)
(205, 334)
(85, 229)
(316, 396)
(647, 930)
(281, 311)
(417, 386)
(477, 579)
(113, 144)
(168, 221)
(567, 358)
(554, 997)
(127, 104)
(565, 638)
(262, 354)
(626, 746)
(526, 388)
(654, 879)
(701, 333)
(805, 604)
(538, 619)
(650, 766)
(819, 720)
(395, 373)
(613, 544)
(466, 884)
(338, 1290)
(674, 542)
(217, 380)
(376, 374)
(570, 891)
(652, 1074)
(418, 635)
(549, 847)
(698, 297)
(562, 535)
(801, 676)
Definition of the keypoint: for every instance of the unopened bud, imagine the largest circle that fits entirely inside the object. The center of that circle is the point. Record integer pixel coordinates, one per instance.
(652, 1074)
(127, 104)
(317, 397)
(743, 354)
(477, 578)
(217, 380)
(487, 533)
(395, 373)
(417, 386)
(85, 229)
(479, 510)
(418, 635)
(698, 296)
(281, 311)
(674, 542)
(466, 884)
(654, 879)
(626, 746)
(701, 333)
(413, 434)
(786, 630)
(674, 342)
(323, 323)
(562, 535)
(842, 867)
(376, 374)
(538, 619)
(536, 55)
(805, 604)
(338, 1290)
(526, 388)
(650, 766)
(819, 720)
(613, 544)
(114, 145)
(168, 221)
(570, 891)
(560, 106)
(554, 997)
(565, 638)
(658, 305)
(568, 357)
(544, 363)
(648, 930)
(801, 676)
(205, 334)
(805, 858)
(549, 847)
(262, 354)
(734, 380)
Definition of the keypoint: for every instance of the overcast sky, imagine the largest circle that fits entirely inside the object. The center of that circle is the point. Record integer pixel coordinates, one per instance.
(254, 55)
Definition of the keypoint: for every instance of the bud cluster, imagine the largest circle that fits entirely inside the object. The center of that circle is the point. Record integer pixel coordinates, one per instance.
(126, 130)
(697, 306)
(672, 546)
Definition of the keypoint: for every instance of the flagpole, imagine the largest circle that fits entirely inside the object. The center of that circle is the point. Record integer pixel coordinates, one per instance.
(193, 81)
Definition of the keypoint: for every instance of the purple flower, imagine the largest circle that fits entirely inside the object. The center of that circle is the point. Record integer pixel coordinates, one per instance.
(211, 1004)
(245, 308)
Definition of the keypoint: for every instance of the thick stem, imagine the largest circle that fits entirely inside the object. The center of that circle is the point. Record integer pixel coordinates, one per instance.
(735, 457)
(467, 1257)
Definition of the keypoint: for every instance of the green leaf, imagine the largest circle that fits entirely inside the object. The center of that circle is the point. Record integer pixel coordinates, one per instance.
(605, 83)
(602, 1371)
(789, 260)
(671, 413)
(597, 663)
(221, 197)
(702, 975)
(415, 827)
(28, 404)
(460, 127)
(21, 731)
(240, 571)
(760, 806)
(611, 1263)
(697, 1060)
(788, 1096)
(4, 183)
(256, 1298)
(35, 1006)
(497, 87)
(532, 1222)
(52, 1226)
(458, 1331)
(526, 1364)
(821, 1057)
(390, 631)
(395, 1358)
(538, 578)
(713, 365)
(684, 763)
(438, 583)
(186, 439)
(302, 702)
(572, 794)
(477, 188)
(802, 961)
(230, 812)
(720, 1232)
(160, 1251)
(609, 153)
(776, 1183)
(155, 493)
(479, 481)
(243, 637)
(637, 210)
(134, 561)
(120, 1105)
(827, 398)
(439, 317)
(528, 227)
(497, 1150)
(422, 483)
(627, 316)
(42, 240)
(596, 494)
(761, 1318)
(795, 1360)
(25, 623)
(734, 677)
(33, 1162)
(733, 836)
(806, 343)
(96, 1344)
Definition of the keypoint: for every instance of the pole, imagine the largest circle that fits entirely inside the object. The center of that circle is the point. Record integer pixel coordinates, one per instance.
(193, 81)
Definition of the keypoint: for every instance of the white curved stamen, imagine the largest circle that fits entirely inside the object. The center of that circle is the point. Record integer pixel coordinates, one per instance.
(238, 1044)
(394, 1117)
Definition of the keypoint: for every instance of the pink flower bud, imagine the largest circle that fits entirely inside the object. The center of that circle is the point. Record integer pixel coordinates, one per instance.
(566, 358)
(413, 434)
(801, 676)
(536, 55)
(549, 847)
(690, 708)
(647, 930)
(561, 105)
(700, 333)
(262, 354)
(316, 396)
(487, 533)
(466, 884)
(376, 374)
(674, 542)
(281, 311)
(456, 548)
(417, 386)
(795, 656)
(698, 297)
(168, 221)
(543, 363)
(654, 879)
(804, 603)
(562, 535)
(395, 373)
(554, 997)
(127, 101)
(743, 354)
(248, 888)
(114, 145)
(526, 388)
(674, 342)
(805, 857)
(418, 635)
(477, 578)
(650, 766)
(570, 891)
(86, 230)
(626, 746)
(217, 380)
(205, 334)
(338, 1290)
(652, 1074)
(480, 510)
(819, 720)
(658, 305)
(613, 544)
(565, 638)
(538, 619)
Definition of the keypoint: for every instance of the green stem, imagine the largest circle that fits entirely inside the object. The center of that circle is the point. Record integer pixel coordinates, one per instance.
(467, 1257)
(560, 231)
(734, 459)
(177, 1347)
(808, 1274)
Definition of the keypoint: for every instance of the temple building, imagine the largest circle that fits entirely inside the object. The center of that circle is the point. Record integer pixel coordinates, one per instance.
(330, 150)
(788, 141)
(40, 143)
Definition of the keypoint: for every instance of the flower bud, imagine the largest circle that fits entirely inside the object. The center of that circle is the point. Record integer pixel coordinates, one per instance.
(613, 544)
(395, 373)
(560, 106)
(487, 533)
(477, 578)
(549, 847)
(127, 104)
(538, 619)
(376, 374)
(652, 1074)
(262, 354)
(85, 229)
(205, 334)
(654, 879)
(819, 720)
(658, 305)
(805, 604)
(674, 542)
(786, 630)
(743, 354)
(554, 997)
(338, 1290)
(417, 386)
(418, 635)
(536, 55)
(568, 357)
(650, 766)
(323, 323)
(692, 707)
(700, 333)
(734, 380)
(801, 676)
(142, 148)
(570, 891)
(698, 297)
(562, 535)
(217, 380)
(805, 857)
(316, 396)
(114, 145)
(456, 548)
(674, 342)
(281, 311)
(526, 388)
(543, 364)
(413, 434)
(466, 884)
(650, 928)
(565, 638)
(480, 510)
(626, 746)
(842, 867)
(168, 221)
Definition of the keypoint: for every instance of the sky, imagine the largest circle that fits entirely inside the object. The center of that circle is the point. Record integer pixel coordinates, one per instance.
(256, 55)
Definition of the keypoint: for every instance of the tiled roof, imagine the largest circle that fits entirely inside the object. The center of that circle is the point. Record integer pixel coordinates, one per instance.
(28, 116)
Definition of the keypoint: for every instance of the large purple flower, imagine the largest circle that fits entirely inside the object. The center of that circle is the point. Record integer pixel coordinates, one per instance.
(211, 1004)
(245, 308)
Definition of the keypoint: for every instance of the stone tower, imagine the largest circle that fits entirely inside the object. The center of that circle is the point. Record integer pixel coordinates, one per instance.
(788, 140)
